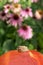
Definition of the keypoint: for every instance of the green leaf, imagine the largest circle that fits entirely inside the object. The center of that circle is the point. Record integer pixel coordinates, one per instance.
(31, 46)
(8, 45)
(2, 2)
(25, 3)
(40, 40)
(29, 3)
(1, 51)
(2, 31)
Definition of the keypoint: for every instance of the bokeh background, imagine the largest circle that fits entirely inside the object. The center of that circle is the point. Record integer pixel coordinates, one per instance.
(9, 40)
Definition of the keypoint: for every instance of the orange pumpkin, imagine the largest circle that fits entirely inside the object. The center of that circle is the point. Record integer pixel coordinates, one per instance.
(20, 57)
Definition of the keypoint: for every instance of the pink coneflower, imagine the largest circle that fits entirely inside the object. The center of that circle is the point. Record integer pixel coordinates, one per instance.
(25, 32)
(3, 15)
(7, 8)
(34, 1)
(26, 13)
(15, 20)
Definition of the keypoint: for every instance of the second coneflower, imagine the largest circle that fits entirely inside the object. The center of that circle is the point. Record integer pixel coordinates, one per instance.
(25, 32)
(15, 20)
(26, 12)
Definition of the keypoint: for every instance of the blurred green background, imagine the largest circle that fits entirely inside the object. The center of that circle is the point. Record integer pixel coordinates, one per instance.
(9, 40)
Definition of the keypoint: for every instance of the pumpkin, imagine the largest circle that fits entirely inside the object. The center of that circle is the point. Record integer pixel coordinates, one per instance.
(22, 56)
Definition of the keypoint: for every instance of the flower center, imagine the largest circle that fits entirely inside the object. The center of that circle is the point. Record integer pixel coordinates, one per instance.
(16, 5)
(26, 9)
(3, 14)
(24, 27)
(34, 17)
(16, 17)
(8, 7)
(40, 12)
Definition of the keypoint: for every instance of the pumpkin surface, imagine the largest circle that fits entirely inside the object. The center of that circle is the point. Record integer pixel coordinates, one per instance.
(38, 55)
(15, 57)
